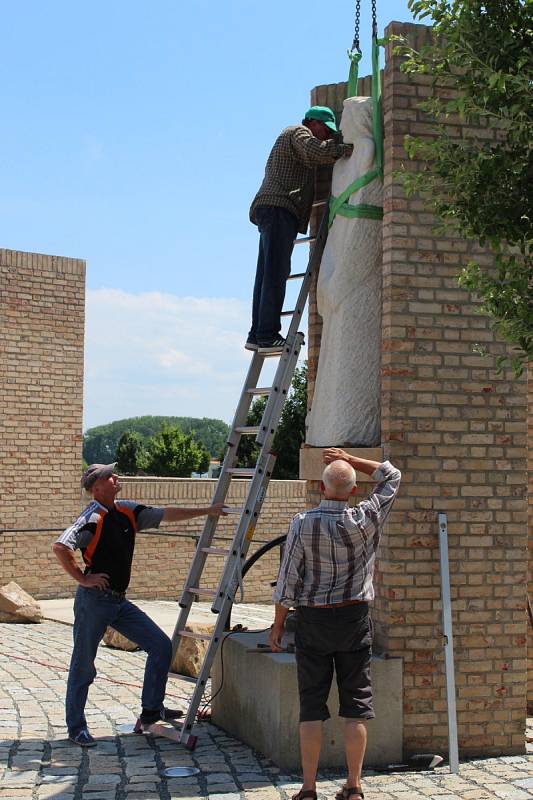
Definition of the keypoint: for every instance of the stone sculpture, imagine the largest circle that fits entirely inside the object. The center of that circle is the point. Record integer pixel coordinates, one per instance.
(346, 408)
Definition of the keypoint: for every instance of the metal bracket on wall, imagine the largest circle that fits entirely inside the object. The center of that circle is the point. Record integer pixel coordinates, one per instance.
(453, 752)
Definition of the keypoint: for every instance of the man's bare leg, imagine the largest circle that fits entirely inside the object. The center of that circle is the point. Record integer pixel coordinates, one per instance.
(310, 741)
(355, 746)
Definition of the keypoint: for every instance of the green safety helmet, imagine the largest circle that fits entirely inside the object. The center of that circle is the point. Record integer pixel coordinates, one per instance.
(323, 114)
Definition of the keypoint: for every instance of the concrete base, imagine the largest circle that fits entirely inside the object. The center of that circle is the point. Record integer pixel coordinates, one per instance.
(258, 703)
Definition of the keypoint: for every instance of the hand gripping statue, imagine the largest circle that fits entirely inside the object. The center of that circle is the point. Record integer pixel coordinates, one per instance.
(345, 409)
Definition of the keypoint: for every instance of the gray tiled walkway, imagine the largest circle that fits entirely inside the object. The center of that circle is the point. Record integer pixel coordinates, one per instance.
(37, 762)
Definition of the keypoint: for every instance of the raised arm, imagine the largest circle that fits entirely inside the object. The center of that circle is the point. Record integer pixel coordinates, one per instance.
(175, 514)
(314, 152)
(359, 464)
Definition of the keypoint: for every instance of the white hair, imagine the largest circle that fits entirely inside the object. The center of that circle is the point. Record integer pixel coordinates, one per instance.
(339, 477)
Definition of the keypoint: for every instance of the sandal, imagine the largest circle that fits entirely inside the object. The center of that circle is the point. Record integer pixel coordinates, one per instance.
(305, 793)
(349, 791)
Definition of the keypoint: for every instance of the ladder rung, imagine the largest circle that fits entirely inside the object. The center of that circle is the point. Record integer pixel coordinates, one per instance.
(305, 240)
(206, 637)
(288, 313)
(252, 430)
(319, 203)
(201, 592)
(296, 275)
(260, 390)
(241, 472)
(265, 352)
(215, 551)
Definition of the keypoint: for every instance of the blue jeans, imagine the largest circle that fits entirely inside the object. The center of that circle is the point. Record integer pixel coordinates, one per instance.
(94, 610)
(277, 231)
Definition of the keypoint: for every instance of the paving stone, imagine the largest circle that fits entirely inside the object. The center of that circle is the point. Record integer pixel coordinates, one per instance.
(222, 788)
(221, 796)
(103, 780)
(526, 783)
(63, 796)
(218, 777)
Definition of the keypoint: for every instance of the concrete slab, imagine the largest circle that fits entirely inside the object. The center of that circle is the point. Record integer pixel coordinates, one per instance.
(258, 703)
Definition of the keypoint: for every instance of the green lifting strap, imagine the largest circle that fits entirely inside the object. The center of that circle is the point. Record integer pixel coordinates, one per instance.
(377, 110)
(362, 210)
(339, 205)
(353, 77)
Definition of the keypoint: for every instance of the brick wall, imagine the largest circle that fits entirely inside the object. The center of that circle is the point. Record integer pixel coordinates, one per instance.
(161, 562)
(458, 433)
(42, 302)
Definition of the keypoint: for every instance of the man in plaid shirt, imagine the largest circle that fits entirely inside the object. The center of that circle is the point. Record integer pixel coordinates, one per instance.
(326, 574)
(282, 208)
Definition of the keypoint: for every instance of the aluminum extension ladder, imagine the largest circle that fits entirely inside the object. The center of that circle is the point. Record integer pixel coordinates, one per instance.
(230, 580)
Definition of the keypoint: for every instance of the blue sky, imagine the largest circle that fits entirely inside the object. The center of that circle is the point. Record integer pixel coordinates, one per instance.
(134, 136)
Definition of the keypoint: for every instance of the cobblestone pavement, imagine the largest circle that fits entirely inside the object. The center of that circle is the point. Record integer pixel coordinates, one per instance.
(37, 762)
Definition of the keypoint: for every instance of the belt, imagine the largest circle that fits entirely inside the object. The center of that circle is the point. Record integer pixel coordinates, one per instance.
(112, 593)
(341, 604)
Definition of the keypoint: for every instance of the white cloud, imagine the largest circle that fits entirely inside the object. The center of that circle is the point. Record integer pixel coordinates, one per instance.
(156, 353)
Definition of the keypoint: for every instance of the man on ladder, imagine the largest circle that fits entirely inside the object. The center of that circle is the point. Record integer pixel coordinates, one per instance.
(281, 209)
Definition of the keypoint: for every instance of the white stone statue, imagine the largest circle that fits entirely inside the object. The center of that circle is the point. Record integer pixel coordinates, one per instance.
(346, 408)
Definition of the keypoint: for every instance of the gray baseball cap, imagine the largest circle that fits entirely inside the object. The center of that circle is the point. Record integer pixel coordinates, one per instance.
(95, 471)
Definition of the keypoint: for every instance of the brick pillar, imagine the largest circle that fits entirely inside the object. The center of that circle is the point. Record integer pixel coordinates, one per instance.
(458, 433)
(42, 302)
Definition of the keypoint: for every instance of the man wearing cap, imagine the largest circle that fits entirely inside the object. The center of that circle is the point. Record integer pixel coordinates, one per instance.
(281, 208)
(326, 574)
(105, 534)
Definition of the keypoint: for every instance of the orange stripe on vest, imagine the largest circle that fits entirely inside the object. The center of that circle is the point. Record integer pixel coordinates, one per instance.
(89, 550)
(129, 513)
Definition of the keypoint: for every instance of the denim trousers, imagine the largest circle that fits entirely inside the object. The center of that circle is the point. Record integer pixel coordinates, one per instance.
(94, 610)
(277, 231)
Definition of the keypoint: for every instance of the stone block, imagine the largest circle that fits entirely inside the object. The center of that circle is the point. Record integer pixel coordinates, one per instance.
(258, 703)
(113, 638)
(16, 605)
(191, 652)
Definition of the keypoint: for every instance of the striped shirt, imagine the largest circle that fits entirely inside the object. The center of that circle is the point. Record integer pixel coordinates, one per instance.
(330, 551)
(289, 180)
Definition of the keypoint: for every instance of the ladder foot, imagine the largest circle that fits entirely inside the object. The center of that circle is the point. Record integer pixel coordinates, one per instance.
(190, 744)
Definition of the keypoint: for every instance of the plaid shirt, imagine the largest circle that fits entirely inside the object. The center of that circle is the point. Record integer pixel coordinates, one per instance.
(289, 172)
(330, 551)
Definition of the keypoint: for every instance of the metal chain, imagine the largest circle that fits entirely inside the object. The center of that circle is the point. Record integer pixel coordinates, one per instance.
(355, 43)
(374, 20)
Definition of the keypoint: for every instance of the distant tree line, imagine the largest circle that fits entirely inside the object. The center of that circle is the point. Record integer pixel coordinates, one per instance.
(167, 446)
(169, 453)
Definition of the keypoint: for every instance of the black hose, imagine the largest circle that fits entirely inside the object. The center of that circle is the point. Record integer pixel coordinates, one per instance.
(277, 542)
